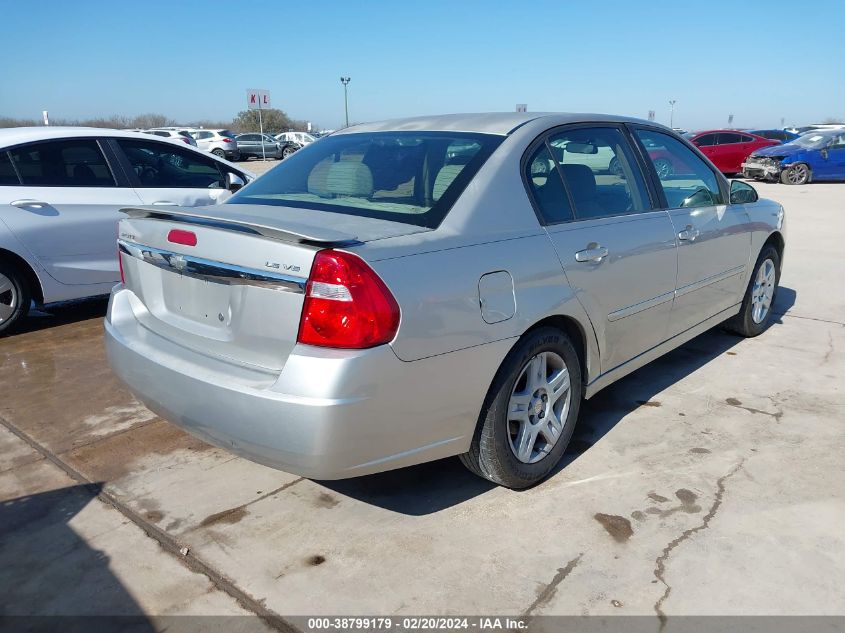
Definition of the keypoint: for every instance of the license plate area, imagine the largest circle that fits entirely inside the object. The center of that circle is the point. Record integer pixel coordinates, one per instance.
(200, 300)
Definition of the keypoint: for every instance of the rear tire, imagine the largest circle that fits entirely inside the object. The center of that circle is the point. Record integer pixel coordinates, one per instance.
(15, 297)
(550, 409)
(219, 153)
(287, 151)
(755, 314)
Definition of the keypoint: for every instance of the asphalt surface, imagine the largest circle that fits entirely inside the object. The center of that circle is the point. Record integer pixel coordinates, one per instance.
(708, 482)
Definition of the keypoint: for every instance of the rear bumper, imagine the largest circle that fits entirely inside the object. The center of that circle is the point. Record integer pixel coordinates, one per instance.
(329, 414)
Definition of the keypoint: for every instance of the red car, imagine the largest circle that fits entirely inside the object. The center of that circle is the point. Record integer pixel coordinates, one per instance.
(728, 149)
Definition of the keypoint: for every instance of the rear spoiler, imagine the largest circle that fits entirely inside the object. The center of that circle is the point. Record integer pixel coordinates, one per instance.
(285, 231)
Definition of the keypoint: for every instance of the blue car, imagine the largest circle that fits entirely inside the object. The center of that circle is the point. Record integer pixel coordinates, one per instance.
(814, 156)
(776, 135)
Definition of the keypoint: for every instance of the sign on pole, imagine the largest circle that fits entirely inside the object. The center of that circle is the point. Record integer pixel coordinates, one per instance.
(46, 117)
(651, 115)
(730, 119)
(259, 100)
(522, 107)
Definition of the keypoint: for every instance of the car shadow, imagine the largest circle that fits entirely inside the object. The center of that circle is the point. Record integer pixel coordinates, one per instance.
(51, 577)
(435, 486)
(62, 314)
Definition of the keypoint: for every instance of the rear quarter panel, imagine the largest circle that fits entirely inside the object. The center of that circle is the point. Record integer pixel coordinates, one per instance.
(438, 294)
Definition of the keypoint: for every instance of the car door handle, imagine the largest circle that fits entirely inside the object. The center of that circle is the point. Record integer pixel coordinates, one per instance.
(689, 234)
(594, 253)
(29, 204)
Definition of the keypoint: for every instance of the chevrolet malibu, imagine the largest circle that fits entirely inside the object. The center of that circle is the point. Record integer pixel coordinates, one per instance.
(406, 291)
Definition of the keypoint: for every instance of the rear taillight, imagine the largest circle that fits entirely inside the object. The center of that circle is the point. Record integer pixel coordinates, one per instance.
(227, 140)
(346, 304)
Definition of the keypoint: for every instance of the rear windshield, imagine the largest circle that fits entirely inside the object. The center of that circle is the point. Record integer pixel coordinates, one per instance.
(228, 133)
(409, 177)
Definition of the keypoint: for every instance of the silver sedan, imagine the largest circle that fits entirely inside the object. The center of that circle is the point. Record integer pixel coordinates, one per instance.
(410, 290)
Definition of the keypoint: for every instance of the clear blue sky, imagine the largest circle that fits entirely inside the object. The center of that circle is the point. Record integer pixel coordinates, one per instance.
(192, 59)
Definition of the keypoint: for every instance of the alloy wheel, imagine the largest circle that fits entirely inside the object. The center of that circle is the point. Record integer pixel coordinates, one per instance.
(763, 291)
(797, 174)
(8, 298)
(538, 407)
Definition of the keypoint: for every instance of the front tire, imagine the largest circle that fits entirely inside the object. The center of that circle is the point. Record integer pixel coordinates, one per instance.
(755, 313)
(529, 413)
(15, 297)
(796, 174)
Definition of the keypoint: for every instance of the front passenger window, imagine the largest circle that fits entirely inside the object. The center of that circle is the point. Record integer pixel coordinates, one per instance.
(688, 181)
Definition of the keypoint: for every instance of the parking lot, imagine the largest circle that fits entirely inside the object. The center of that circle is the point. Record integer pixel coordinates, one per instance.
(708, 482)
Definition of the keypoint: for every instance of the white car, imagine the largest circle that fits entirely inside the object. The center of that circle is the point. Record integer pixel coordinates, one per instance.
(300, 138)
(175, 134)
(61, 192)
(221, 143)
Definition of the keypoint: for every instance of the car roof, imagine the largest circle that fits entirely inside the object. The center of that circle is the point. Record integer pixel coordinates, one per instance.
(16, 135)
(724, 130)
(502, 123)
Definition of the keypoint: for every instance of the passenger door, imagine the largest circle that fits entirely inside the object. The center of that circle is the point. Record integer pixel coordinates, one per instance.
(248, 144)
(832, 159)
(167, 174)
(65, 207)
(714, 238)
(732, 150)
(618, 254)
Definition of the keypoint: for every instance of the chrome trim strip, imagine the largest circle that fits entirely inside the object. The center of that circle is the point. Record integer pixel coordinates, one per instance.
(208, 269)
(698, 285)
(640, 307)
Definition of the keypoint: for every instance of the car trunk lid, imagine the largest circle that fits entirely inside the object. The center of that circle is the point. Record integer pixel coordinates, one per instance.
(235, 289)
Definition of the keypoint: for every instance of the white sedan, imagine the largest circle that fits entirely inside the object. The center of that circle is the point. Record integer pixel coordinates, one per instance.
(61, 191)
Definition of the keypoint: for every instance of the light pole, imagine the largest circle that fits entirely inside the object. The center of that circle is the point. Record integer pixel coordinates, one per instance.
(672, 113)
(345, 82)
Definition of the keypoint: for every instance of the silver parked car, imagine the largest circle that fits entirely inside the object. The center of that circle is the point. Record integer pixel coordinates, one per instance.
(263, 145)
(405, 291)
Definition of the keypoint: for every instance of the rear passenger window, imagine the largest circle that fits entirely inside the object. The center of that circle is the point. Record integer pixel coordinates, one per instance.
(170, 166)
(728, 138)
(71, 163)
(547, 188)
(686, 180)
(599, 172)
(7, 171)
(706, 140)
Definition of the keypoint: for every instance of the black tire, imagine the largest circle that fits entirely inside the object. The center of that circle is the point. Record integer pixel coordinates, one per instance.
(18, 294)
(219, 153)
(796, 174)
(744, 323)
(490, 455)
(288, 151)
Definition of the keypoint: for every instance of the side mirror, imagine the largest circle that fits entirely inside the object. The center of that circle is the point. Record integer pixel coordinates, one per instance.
(234, 182)
(743, 193)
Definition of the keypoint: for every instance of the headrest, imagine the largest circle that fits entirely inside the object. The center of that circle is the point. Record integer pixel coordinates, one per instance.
(581, 181)
(445, 177)
(349, 178)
